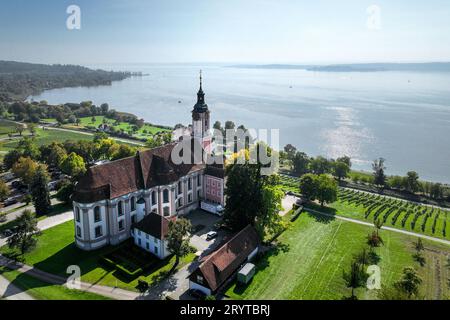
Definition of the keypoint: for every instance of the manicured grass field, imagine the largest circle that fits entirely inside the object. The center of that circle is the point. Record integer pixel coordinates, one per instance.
(56, 251)
(314, 252)
(46, 137)
(87, 121)
(44, 291)
(6, 127)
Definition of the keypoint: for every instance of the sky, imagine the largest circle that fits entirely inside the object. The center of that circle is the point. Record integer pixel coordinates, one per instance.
(226, 31)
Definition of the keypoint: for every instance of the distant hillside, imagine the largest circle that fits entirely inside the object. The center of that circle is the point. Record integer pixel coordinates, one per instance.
(18, 80)
(359, 67)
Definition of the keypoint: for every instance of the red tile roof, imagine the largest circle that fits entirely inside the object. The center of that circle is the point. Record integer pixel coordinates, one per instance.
(220, 265)
(154, 224)
(145, 170)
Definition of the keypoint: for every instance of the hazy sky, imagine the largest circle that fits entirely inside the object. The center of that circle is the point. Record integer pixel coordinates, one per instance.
(247, 31)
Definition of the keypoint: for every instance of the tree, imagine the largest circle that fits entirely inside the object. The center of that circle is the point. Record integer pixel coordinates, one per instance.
(346, 160)
(20, 129)
(418, 255)
(309, 186)
(11, 158)
(78, 121)
(122, 151)
(269, 221)
(40, 192)
(53, 154)
(229, 125)
(340, 170)
(378, 173)
(355, 278)
(25, 169)
(217, 125)
(409, 283)
(326, 189)
(378, 223)
(290, 151)
(4, 190)
(412, 181)
(104, 107)
(65, 192)
(319, 165)
(300, 163)
(436, 191)
(154, 142)
(73, 165)
(178, 240)
(32, 129)
(23, 238)
(244, 195)
(28, 148)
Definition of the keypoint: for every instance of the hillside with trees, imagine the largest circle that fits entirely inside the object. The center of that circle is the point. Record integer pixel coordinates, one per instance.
(19, 80)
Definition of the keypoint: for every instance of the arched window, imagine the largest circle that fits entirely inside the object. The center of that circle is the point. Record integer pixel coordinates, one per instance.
(77, 214)
(120, 208)
(153, 198)
(166, 211)
(133, 203)
(166, 196)
(180, 187)
(97, 214)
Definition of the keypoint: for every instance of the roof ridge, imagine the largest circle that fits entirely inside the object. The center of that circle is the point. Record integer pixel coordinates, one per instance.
(225, 244)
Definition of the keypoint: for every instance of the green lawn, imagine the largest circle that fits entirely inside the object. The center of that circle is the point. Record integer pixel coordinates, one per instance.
(314, 252)
(56, 209)
(56, 251)
(6, 127)
(87, 121)
(44, 137)
(44, 291)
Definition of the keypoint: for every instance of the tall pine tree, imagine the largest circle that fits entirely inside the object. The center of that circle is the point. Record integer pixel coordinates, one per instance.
(40, 191)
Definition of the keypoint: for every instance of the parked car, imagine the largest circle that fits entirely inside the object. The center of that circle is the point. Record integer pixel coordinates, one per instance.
(197, 294)
(7, 233)
(10, 201)
(211, 235)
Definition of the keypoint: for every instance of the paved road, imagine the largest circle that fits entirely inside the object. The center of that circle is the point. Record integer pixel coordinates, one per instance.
(13, 215)
(9, 291)
(384, 228)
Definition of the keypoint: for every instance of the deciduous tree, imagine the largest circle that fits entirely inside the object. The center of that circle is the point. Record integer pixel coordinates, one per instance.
(178, 239)
(23, 238)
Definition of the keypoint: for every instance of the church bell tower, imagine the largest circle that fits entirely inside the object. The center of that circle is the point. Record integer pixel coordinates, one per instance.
(201, 118)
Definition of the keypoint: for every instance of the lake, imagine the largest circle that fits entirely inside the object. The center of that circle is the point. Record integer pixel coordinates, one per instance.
(403, 117)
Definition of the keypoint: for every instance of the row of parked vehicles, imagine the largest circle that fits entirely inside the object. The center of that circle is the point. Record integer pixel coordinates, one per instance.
(19, 190)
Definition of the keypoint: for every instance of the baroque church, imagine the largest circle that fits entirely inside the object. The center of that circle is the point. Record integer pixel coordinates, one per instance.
(138, 196)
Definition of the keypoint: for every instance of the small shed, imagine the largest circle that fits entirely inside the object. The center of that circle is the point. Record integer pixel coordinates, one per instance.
(246, 273)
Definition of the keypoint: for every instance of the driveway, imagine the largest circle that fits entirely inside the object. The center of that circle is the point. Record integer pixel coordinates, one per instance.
(287, 203)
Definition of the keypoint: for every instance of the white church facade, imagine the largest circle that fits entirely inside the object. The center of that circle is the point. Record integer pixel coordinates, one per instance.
(137, 196)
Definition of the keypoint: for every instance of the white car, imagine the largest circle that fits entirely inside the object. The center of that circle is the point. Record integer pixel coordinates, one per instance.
(211, 235)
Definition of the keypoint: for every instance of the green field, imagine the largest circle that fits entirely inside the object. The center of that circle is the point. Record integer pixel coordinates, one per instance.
(56, 251)
(44, 137)
(87, 122)
(314, 252)
(6, 127)
(44, 291)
